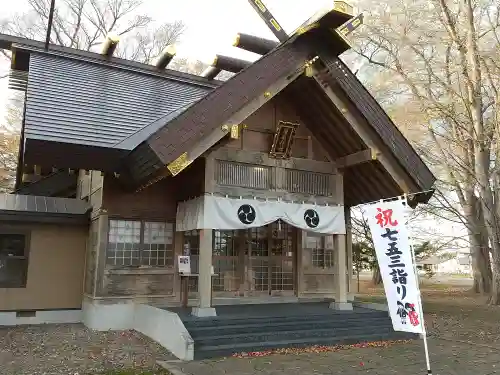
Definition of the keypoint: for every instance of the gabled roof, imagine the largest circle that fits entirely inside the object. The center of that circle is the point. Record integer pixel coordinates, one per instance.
(172, 139)
(163, 126)
(335, 106)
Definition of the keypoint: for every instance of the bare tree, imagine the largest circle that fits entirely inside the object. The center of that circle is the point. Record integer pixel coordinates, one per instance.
(84, 24)
(443, 56)
(9, 143)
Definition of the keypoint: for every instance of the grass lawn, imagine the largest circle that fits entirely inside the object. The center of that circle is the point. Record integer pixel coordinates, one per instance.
(451, 312)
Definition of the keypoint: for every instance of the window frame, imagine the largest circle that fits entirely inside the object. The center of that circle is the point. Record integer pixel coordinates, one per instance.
(142, 244)
(25, 257)
(325, 261)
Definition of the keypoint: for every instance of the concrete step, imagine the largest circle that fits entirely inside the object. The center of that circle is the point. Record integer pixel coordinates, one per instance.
(298, 325)
(291, 335)
(240, 320)
(223, 350)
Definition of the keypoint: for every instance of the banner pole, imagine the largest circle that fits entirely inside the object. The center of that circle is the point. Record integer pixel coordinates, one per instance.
(420, 305)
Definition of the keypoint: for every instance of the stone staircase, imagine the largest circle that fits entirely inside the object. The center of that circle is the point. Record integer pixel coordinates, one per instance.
(285, 327)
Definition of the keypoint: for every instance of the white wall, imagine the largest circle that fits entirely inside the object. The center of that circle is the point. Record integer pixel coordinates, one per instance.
(162, 326)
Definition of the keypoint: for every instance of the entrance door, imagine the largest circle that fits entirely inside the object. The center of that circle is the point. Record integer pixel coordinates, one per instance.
(272, 251)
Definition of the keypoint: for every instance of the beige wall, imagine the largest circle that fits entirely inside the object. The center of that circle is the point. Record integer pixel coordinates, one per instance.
(55, 269)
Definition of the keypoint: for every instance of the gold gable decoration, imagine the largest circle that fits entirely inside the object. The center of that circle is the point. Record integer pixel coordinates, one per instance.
(283, 140)
(179, 164)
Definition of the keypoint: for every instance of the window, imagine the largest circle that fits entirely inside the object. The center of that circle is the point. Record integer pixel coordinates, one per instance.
(224, 242)
(140, 243)
(320, 248)
(13, 260)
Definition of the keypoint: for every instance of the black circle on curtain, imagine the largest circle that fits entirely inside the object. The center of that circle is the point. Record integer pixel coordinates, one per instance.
(246, 214)
(311, 218)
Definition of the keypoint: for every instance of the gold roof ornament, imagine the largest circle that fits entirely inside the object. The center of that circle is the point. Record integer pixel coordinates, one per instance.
(179, 164)
(344, 7)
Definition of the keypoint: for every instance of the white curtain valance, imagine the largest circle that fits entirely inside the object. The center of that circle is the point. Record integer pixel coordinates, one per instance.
(214, 212)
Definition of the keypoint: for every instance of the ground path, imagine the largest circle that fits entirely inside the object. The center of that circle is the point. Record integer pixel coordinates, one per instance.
(447, 358)
(464, 340)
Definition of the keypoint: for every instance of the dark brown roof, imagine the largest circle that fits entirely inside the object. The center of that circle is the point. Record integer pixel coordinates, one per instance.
(165, 139)
(339, 74)
(363, 183)
(177, 135)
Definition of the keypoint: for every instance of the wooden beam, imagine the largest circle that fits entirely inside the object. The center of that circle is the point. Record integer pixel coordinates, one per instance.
(343, 6)
(356, 158)
(254, 44)
(165, 57)
(271, 22)
(360, 126)
(351, 25)
(110, 44)
(230, 64)
(210, 72)
(328, 17)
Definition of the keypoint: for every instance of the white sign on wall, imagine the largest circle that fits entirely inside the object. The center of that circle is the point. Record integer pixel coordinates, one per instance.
(184, 263)
(394, 255)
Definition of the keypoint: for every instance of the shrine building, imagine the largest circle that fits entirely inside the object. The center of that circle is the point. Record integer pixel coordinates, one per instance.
(124, 167)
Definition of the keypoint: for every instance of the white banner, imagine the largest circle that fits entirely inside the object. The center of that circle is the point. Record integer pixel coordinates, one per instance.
(214, 212)
(390, 238)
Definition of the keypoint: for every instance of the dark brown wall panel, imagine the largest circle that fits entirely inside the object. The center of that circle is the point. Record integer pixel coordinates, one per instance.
(158, 201)
(260, 127)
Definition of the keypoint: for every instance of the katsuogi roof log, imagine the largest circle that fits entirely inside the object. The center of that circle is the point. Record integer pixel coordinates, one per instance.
(230, 64)
(165, 57)
(254, 44)
(210, 72)
(110, 44)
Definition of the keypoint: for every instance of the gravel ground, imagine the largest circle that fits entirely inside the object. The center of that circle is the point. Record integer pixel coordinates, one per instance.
(69, 349)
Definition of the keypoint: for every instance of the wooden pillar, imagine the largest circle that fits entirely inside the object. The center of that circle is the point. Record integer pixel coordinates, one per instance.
(349, 250)
(300, 269)
(101, 255)
(241, 247)
(205, 276)
(340, 241)
(205, 258)
(341, 302)
(178, 280)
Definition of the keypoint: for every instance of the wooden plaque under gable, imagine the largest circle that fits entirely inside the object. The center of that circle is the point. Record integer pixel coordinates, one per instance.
(283, 140)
